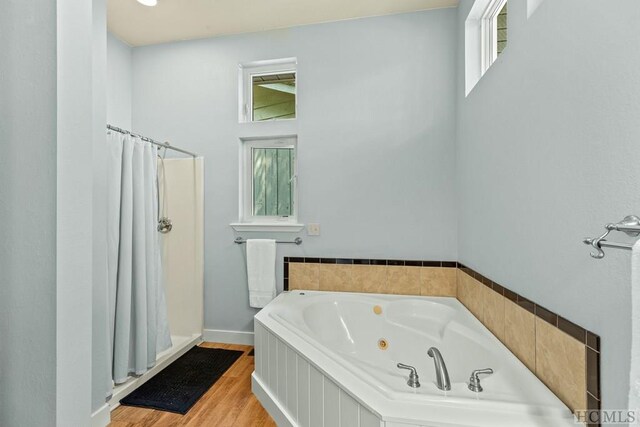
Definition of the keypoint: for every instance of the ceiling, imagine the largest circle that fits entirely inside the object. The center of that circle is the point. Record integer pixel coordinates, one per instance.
(173, 20)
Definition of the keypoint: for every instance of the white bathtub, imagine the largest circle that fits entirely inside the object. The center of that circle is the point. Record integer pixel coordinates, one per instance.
(318, 363)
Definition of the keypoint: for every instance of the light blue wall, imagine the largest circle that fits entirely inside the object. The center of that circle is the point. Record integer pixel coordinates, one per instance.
(376, 139)
(28, 210)
(547, 153)
(119, 90)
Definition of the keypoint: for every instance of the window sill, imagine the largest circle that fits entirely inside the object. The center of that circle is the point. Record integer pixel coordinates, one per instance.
(277, 227)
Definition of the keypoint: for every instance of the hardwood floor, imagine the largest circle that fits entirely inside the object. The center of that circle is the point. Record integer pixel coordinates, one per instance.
(228, 403)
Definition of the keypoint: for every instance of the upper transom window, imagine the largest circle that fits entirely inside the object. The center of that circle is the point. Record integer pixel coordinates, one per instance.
(494, 29)
(268, 90)
(485, 38)
(273, 97)
(502, 29)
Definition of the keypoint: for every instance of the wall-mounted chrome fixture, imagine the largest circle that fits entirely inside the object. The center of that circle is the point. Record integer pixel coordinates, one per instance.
(164, 225)
(297, 241)
(629, 225)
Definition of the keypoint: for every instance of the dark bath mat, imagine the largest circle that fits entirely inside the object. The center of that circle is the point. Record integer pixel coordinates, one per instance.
(179, 386)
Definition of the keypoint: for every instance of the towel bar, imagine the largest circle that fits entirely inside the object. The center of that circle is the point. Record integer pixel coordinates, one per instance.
(297, 241)
(629, 225)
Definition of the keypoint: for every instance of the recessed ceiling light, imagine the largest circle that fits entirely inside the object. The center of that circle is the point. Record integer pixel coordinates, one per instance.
(148, 2)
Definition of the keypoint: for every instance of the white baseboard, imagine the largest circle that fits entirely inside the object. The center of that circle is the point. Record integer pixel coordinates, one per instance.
(228, 337)
(101, 417)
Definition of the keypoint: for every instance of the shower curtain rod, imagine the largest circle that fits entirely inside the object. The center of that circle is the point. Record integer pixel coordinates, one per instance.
(152, 141)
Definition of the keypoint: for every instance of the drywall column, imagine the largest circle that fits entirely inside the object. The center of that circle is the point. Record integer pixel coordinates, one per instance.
(74, 209)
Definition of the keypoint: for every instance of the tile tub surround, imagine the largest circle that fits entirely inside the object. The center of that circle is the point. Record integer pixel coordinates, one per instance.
(428, 278)
(563, 355)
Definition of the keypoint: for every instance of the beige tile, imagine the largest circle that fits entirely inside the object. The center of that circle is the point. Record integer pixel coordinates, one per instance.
(520, 333)
(403, 280)
(336, 277)
(477, 298)
(369, 278)
(459, 288)
(438, 282)
(304, 276)
(493, 312)
(351, 285)
(462, 289)
(560, 364)
(470, 294)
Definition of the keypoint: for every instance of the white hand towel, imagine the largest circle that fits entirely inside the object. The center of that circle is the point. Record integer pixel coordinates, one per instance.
(634, 379)
(261, 271)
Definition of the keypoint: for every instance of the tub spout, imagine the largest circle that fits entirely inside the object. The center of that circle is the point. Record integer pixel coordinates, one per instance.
(442, 375)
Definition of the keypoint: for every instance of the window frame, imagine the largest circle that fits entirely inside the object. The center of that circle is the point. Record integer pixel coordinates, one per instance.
(489, 31)
(246, 181)
(478, 53)
(262, 68)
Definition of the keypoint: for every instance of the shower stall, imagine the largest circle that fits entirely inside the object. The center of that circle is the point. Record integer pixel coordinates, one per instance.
(178, 233)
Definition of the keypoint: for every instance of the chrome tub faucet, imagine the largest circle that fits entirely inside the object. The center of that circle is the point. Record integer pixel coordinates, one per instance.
(442, 375)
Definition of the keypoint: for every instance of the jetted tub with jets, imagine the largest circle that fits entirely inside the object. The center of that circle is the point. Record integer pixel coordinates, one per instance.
(330, 359)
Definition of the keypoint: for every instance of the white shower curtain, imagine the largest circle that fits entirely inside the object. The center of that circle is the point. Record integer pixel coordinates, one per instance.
(138, 312)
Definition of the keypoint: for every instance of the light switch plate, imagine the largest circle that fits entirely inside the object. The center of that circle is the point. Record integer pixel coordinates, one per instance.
(313, 229)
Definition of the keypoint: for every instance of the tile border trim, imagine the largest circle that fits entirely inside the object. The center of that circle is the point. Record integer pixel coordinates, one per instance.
(590, 340)
(368, 261)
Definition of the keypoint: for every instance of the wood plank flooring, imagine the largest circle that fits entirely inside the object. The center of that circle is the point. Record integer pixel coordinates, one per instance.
(228, 403)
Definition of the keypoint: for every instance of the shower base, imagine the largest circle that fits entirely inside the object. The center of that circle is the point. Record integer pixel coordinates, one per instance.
(181, 344)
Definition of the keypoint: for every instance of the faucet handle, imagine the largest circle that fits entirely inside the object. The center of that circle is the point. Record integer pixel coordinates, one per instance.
(474, 380)
(413, 375)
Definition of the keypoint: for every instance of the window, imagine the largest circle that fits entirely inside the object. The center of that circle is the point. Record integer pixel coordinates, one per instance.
(272, 189)
(494, 29)
(269, 181)
(268, 164)
(268, 90)
(485, 38)
(273, 96)
(502, 29)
